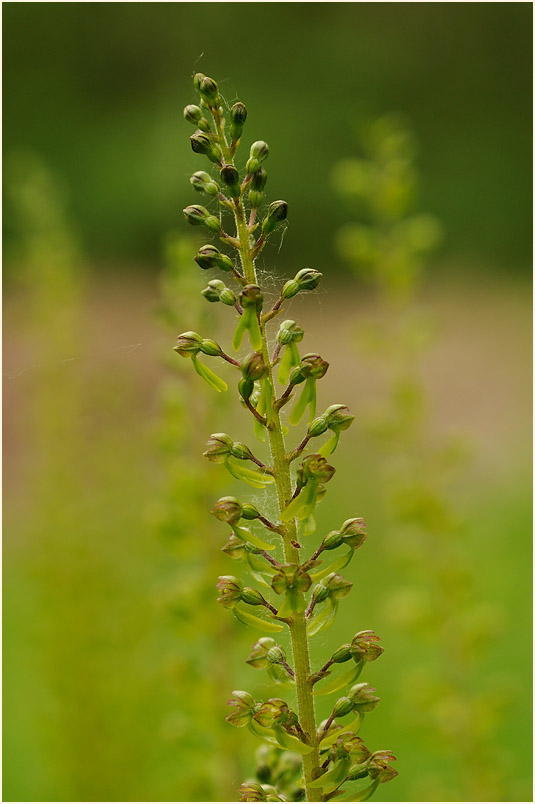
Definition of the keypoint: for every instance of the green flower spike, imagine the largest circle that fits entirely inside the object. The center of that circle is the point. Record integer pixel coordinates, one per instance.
(251, 299)
(189, 344)
(288, 336)
(311, 368)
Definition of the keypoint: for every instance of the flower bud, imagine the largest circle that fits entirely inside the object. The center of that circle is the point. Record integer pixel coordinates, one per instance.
(188, 344)
(363, 698)
(253, 367)
(203, 183)
(255, 198)
(251, 296)
(231, 178)
(252, 597)
(305, 279)
(353, 532)
(338, 417)
(192, 114)
(320, 593)
(219, 447)
(342, 654)
(313, 365)
(207, 89)
(199, 216)
(264, 653)
(245, 388)
(210, 257)
(317, 427)
(289, 332)
(241, 451)
(364, 646)
(227, 509)
(258, 181)
(277, 212)
(332, 540)
(276, 655)
(218, 291)
(259, 150)
(238, 116)
(343, 706)
(210, 347)
(230, 590)
(249, 511)
(201, 143)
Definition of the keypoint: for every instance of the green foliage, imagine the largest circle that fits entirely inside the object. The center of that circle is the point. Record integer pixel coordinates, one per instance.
(332, 754)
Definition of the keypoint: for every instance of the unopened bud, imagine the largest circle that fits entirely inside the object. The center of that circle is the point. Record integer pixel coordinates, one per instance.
(338, 417)
(305, 279)
(253, 366)
(289, 332)
(207, 89)
(219, 446)
(249, 511)
(210, 257)
(252, 597)
(277, 212)
(332, 540)
(353, 532)
(342, 707)
(218, 291)
(201, 143)
(317, 427)
(188, 344)
(193, 114)
(338, 587)
(342, 654)
(227, 509)
(210, 347)
(238, 116)
(199, 216)
(241, 451)
(231, 178)
(203, 183)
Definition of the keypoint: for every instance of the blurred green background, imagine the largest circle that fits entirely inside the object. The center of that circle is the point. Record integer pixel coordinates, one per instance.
(117, 661)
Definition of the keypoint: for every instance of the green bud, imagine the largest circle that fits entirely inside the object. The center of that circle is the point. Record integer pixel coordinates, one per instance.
(192, 114)
(305, 279)
(332, 540)
(245, 388)
(258, 656)
(363, 698)
(364, 647)
(238, 116)
(253, 367)
(342, 654)
(338, 417)
(227, 509)
(259, 150)
(210, 257)
(249, 511)
(313, 365)
(258, 182)
(353, 532)
(218, 291)
(210, 347)
(199, 216)
(230, 590)
(317, 427)
(277, 212)
(207, 89)
(203, 183)
(231, 178)
(252, 597)
(289, 332)
(320, 593)
(188, 344)
(241, 451)
(251, 296)
(219, 447)
(255, 198)
(343, 706)
(201, 143)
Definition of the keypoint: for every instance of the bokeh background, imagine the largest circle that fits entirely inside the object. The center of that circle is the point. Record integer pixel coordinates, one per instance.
(117, 661)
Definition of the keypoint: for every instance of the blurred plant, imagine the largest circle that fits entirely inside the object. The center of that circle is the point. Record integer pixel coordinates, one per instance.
(388, 248)
(200, 670)
(331, 753)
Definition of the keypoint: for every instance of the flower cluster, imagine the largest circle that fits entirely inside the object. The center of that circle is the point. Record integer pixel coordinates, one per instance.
(300, 759)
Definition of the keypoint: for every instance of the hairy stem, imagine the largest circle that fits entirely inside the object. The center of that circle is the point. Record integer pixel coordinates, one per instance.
(281, 466)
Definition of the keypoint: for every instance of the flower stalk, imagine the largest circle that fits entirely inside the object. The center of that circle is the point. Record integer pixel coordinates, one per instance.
(306, 593)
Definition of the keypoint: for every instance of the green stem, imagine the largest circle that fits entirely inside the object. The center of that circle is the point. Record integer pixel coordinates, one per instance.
(281, 466)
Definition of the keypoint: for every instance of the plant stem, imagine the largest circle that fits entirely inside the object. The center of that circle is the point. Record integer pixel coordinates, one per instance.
(281, 466)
